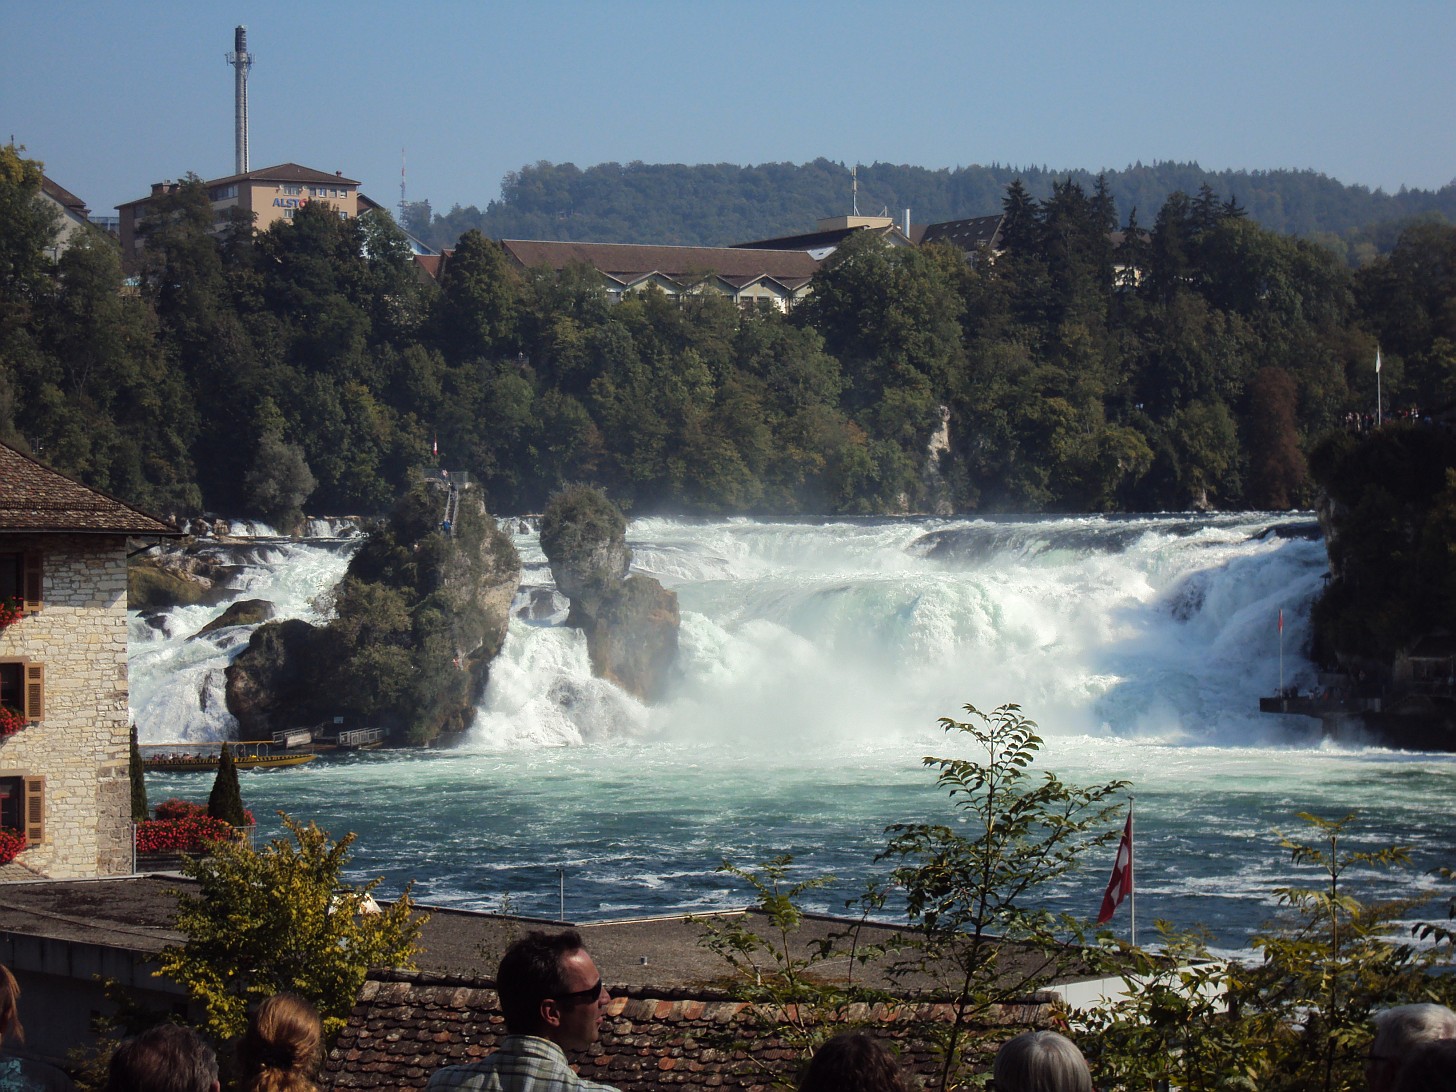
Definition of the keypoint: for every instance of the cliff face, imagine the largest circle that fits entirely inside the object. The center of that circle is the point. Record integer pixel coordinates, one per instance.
(417, 620)
(631, 622)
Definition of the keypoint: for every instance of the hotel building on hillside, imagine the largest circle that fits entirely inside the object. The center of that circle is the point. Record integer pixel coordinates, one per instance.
(270, 194)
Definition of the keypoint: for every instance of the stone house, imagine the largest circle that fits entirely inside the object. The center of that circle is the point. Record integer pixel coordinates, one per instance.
(64, 731)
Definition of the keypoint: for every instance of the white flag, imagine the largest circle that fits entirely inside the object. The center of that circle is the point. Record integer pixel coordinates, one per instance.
(1377, 361)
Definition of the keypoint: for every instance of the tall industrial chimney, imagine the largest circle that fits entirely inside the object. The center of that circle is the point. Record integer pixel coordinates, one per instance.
(241, 60)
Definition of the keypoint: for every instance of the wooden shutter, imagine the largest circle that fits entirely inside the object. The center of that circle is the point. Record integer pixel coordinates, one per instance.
(34, 691)
(33, 579)
(34, 809)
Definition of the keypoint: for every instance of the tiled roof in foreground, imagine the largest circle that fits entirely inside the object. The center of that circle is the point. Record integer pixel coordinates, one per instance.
(34, 497)
(406, 1025)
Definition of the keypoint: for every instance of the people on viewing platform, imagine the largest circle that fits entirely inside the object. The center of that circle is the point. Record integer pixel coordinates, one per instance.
(552, 998)
(22, 1074)
(854, 1062)
(282, 1048)
(1041, 1061)
(166, 1058)
(1398, 1032)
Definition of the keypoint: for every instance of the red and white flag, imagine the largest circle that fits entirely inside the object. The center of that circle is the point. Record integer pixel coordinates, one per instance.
(1281, 619)
(1120, 886)
(435, 447)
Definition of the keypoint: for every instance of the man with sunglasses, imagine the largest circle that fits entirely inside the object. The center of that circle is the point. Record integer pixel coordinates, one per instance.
(552, 998)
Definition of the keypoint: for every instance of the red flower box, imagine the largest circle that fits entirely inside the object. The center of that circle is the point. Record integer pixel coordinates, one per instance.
(12, 843)
(11, 611)
(11, 721)
(189, 835)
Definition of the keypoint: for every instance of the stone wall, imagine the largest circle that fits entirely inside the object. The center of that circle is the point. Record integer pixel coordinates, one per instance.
(80, 746)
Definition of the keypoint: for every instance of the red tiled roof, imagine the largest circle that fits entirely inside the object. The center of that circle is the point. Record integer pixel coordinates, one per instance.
(36, 498)
(629, 261)
(406, 1025)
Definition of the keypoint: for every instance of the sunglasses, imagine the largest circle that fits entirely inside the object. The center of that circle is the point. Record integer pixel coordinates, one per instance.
(580, 997)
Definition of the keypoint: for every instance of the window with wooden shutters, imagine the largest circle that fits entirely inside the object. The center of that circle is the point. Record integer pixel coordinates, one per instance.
(34, 583)
(34, 810)
(34, 691)
(22, 577)
(22, 806)
(22, 688)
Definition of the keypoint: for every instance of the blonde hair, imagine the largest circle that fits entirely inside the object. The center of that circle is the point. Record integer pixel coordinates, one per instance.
(9, 1006)
(282, 1048)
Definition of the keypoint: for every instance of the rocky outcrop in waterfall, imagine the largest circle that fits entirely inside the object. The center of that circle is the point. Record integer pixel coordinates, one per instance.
(417, 620)
(630, 621)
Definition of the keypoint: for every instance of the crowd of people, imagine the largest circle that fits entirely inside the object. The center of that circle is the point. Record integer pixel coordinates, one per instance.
(553, 1000)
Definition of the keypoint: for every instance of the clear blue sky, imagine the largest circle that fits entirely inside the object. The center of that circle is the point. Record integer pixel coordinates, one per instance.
(113, 96)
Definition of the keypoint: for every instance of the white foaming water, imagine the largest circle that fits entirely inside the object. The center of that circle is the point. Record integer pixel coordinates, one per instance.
(177, 679)
(814, 661)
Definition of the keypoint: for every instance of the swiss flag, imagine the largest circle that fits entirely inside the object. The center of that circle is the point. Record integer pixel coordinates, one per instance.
(1120, 886)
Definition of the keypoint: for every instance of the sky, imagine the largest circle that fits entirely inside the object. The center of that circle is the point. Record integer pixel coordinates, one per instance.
(113, 96)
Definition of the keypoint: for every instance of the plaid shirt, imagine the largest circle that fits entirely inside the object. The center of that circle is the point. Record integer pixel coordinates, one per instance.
(521, 1063)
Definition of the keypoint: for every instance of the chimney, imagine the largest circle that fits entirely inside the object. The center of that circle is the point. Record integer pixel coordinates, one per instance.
(241, 60)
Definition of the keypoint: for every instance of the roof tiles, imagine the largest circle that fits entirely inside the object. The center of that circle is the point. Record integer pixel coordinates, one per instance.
(34, 497)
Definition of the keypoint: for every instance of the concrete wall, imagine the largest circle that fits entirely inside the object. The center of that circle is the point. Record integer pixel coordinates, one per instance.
(81, 744)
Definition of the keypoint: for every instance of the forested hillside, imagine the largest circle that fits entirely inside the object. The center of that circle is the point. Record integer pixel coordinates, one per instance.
(720, 204)
(308, 367)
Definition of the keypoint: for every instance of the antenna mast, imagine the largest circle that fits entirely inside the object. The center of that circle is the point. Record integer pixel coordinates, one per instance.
(403, 206)
(241, 60)
(854, 190)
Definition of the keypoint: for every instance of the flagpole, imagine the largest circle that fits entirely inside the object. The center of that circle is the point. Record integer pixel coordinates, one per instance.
(1132, 869)
(1281, 652)
(1378, 418)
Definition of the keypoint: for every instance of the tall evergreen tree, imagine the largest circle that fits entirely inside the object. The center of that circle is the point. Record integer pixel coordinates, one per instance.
(139, 810)
(226, 799)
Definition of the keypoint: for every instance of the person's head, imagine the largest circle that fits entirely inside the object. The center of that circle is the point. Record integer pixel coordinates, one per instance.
(9, 1006)
(166, 1058)
(281, 1049)
(549, 986)
(1398, 1032)
(1430, 1068)
(853, 1062)
(1041, 1061)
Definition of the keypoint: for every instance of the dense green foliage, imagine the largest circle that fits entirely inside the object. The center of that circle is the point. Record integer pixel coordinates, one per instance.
(720, 204)
(137, 777)
(310, 366)
(282, 918)
(1392, 519)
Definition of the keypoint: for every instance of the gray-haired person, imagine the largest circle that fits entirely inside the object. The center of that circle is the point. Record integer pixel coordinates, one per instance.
(1398, 1032)
(166, 1058)
(1041, 1061)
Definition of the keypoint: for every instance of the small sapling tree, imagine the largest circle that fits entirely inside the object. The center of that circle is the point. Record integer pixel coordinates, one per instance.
(137, 774)
(974, 892)
(281, 918)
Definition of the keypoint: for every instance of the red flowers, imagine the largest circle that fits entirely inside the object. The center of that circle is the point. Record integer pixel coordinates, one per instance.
(11, 721)
(12, 842)
(12, 610)
(183, 827)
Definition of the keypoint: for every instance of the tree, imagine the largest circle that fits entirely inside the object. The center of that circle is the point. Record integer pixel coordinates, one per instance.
(282, 918)
(138, 777)
(226, 799)
(973, 891)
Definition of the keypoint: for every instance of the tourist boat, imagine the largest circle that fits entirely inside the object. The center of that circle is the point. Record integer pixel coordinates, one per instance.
(201, 757)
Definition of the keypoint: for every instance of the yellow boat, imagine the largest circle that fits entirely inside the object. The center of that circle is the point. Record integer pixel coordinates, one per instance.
(204, 757)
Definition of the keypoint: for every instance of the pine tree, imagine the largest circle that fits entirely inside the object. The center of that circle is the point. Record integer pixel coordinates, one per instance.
(138, 780)
(226, 799)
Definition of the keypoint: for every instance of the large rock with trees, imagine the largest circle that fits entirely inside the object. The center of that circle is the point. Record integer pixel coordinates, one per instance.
(417, 619)
(630, 620)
